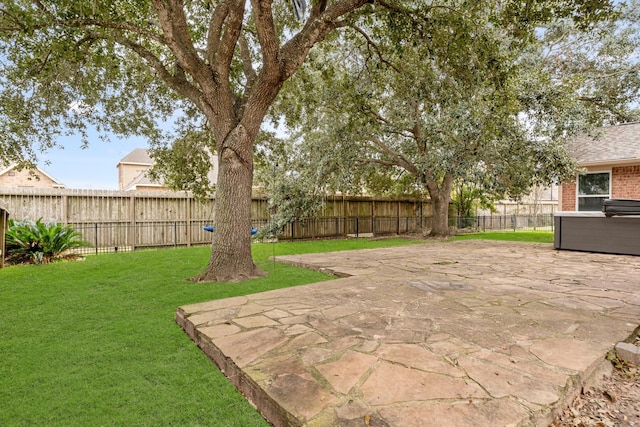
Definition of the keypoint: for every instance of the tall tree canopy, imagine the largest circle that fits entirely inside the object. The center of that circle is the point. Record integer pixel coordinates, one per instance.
(411, 107)
(124, 66)
(216, 66)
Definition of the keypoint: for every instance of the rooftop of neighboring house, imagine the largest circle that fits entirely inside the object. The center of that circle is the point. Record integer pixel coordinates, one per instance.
(133, 167)
(139, 156)
(12, 176)
(619, 144)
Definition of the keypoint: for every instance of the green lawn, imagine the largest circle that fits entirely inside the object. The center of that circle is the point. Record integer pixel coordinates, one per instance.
(94, 343)
(519, 236)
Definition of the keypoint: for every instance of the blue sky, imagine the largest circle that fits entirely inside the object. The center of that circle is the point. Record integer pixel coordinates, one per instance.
(91, 168)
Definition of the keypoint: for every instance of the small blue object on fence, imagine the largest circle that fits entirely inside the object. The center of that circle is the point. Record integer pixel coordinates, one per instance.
(209, 228)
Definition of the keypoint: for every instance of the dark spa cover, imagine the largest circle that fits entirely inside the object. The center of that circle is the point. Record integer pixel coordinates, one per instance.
(612, 207)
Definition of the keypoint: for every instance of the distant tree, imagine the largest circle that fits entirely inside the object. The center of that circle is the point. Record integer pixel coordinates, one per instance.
(468, 99)
(466, 197)
(601, 67)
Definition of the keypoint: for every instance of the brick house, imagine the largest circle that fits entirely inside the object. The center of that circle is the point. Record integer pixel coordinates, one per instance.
(11, 176)
(611, 168)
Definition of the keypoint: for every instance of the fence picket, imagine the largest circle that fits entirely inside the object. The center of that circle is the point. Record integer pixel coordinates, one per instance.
(123, 221)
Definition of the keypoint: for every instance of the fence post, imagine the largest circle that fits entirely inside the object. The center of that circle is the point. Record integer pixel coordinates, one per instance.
(132, 219)
(373, 217)
(95, 229)
(373, 225)
(65, 209)
(398, 217)
(188, 222)
(175, 234)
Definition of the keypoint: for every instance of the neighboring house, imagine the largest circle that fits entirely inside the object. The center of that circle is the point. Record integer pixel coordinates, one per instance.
(132, 172)
(611, 168)
(541, 200)
(11, 177)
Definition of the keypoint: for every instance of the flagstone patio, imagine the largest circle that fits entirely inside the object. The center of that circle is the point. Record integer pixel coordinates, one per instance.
(467, 333)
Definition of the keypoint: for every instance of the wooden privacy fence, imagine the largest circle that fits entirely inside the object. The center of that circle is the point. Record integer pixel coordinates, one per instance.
(126, 220)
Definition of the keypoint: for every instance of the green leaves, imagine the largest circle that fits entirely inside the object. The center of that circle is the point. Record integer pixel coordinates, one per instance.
(187, 164)
(413, 96)
(65, 71)
(40, 242)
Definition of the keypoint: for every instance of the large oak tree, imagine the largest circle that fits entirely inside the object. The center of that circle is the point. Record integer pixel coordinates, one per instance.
(122, 66)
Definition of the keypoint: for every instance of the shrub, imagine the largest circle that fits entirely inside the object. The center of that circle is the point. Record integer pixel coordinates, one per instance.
(40, 242)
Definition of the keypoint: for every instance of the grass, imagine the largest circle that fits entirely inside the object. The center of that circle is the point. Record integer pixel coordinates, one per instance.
(528, 236)
(94, 343)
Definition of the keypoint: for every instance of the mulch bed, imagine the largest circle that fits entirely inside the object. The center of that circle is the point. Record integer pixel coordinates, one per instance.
(614, 402)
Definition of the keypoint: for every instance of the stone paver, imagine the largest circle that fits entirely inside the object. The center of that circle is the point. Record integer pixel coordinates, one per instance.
(468, 333)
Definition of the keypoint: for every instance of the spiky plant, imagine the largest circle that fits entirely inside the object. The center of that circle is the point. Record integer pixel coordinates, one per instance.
(40, 242)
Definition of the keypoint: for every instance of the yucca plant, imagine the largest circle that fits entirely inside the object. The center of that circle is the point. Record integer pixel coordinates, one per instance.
(40, 242)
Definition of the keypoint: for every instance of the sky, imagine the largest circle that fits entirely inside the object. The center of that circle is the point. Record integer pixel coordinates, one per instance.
(92, 168)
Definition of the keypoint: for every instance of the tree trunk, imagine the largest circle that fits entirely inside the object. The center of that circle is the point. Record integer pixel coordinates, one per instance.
(231, 259)
(440, 220)
(440, 198)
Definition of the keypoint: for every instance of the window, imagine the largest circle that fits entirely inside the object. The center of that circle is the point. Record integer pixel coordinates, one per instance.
(593, 189)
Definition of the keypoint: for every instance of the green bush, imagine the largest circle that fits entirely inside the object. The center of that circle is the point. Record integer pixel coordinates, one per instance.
(40, 242)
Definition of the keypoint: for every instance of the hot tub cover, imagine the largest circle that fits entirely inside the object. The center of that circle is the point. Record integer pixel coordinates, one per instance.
(612, 207)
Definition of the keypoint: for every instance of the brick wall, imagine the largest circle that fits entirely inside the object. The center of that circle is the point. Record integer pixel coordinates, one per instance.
(568, 195)
(625, 182)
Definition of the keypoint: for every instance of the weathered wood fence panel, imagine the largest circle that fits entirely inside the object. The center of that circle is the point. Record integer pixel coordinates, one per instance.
(118, 220)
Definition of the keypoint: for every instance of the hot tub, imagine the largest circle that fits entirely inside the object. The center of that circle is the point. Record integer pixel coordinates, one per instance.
(597, 232)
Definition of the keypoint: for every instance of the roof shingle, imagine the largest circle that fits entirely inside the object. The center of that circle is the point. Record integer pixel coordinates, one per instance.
(608, 144)
(139, 156)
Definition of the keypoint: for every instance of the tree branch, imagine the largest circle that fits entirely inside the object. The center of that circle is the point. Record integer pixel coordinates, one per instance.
(380, 118)
(247, 65)
(270, 46)
(376, 49)
(320, 23)
(619, 115)
(173, 22)
(216, 22)
(92, 22)
(224, 54)
(402, 160)
(177, 81)
(124, 26)
(18, 24)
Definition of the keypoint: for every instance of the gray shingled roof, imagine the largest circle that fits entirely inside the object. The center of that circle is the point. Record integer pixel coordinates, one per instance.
(139, 156)
(608, 144)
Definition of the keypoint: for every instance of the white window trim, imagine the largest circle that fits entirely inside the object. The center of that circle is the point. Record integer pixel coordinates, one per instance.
(589, 173)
